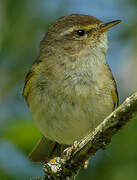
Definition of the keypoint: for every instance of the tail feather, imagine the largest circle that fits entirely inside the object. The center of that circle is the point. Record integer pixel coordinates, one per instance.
(42, 152)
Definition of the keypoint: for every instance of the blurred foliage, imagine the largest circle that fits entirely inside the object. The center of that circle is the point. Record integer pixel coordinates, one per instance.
(5, 176)
(22, 133)
(20, 33)
(22, 26)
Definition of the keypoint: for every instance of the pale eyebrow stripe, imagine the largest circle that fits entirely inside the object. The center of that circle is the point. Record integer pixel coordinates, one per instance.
(71, 29)
(67, 31)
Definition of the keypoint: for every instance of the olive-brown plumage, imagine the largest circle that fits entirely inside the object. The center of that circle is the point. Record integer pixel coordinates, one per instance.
(70, 88)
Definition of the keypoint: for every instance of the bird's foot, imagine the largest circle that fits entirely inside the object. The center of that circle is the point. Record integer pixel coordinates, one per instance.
(69, 150)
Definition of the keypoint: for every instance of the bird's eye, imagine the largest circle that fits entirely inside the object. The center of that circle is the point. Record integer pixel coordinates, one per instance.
(80, 32)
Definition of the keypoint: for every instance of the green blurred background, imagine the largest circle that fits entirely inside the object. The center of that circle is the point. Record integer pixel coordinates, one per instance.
(22, 26)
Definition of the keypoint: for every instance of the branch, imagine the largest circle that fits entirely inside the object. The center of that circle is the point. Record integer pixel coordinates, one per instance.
(67, 167)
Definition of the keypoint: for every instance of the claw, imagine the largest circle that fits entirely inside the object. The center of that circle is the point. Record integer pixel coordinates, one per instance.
(69, 150)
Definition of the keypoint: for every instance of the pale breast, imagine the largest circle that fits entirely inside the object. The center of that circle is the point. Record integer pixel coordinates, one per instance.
(85, 100)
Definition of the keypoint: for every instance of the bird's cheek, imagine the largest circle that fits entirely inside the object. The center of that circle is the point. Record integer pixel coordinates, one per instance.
(72, 50)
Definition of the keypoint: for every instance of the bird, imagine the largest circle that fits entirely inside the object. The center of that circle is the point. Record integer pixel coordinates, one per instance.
(70, 88)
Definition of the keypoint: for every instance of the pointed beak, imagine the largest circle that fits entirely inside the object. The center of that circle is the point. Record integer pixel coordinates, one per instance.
(105, 26)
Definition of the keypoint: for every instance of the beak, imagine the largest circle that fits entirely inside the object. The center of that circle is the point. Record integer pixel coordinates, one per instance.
(105, 26)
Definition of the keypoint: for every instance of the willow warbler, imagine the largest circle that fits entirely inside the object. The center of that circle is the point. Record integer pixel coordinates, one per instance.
(70, 88)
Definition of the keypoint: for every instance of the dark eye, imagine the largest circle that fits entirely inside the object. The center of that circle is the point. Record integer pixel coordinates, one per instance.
(80, 32)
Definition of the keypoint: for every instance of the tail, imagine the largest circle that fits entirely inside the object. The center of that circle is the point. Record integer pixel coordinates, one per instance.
(44, 150)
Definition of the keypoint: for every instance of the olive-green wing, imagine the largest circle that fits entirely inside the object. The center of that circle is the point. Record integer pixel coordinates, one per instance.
(114, 92)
